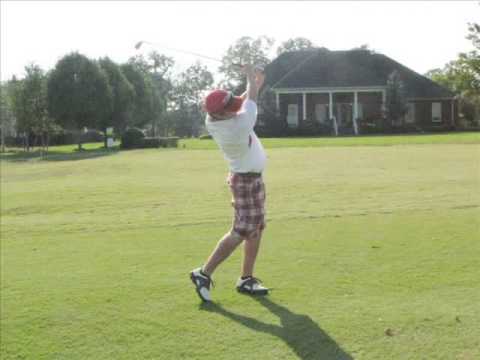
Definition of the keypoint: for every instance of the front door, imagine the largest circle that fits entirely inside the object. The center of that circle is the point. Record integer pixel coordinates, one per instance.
(344, 115)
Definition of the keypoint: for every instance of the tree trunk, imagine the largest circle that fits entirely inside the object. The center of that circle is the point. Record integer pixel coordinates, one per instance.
(105, 138)
(27, 141)
(2, 136)
(80, 144)
(80, 140)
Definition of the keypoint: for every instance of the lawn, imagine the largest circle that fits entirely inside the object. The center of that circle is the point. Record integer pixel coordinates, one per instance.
(428, 139)
(372, 252)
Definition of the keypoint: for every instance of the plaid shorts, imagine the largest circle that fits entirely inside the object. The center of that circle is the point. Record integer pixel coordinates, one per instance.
(248, 202)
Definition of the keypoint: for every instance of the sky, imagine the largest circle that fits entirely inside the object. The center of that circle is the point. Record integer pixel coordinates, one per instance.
(421, 35)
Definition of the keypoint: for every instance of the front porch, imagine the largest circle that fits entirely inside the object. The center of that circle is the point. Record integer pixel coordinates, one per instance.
(335, 110)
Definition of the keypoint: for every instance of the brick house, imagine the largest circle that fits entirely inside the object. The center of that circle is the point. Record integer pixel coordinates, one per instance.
(345, 92)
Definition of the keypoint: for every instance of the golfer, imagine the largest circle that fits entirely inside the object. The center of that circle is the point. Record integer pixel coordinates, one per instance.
(230, 120)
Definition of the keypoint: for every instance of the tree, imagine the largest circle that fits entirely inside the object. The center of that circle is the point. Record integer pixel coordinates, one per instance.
(364, 47)
(123, 94)
(160, 64)
(35, 87)
(396, 102)
(7, 118)
(29, 105)
(462, 76)
(187, 96)
(474, 34)
(244, 50)
(162, 85)
(150, 78)
(143, 109)
(19, 109)
(294, 44)
(79, 95)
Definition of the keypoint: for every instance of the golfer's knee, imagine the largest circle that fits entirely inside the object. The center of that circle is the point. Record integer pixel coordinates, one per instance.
(234, 236)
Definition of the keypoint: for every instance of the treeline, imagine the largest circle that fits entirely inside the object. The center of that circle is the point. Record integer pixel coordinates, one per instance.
(462, 76)
(58, 105)
(79, 93)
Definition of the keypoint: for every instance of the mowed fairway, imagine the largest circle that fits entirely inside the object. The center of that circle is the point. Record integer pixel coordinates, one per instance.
(373, 253)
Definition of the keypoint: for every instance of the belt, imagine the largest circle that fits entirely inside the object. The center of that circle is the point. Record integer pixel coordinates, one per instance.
(249, 174)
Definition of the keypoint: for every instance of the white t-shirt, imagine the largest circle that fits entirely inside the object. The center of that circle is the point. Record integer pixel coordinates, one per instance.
(237, 140)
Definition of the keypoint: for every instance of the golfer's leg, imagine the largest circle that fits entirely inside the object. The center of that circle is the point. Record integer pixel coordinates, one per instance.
(224, 248)
(250, 251)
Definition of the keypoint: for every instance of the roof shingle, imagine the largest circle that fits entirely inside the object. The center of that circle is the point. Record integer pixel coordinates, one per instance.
(314, 68)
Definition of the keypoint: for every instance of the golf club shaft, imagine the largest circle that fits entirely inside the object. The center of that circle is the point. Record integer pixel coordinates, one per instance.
(139, 44)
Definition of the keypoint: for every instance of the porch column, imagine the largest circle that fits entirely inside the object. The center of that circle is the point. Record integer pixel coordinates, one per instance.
(384, 100)
(330, 105)
(355, 112)
(277, 101)
(330, 110)
(304, 106)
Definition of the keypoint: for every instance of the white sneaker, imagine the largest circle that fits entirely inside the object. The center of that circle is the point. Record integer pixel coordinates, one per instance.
(252, 286)
(202, 284)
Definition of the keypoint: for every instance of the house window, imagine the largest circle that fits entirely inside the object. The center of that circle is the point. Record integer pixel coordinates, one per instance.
(292, 115)
(436, 112)
(321, 113)
(410, 115)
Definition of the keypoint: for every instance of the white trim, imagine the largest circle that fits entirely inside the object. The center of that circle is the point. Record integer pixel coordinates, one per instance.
(335, 125)
(330, 89)
(330, 105)
(384, 101)
(355, 112)
(304, 106)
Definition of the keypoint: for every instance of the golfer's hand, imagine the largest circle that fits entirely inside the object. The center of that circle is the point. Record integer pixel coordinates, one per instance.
(248, 69)
(259, 77)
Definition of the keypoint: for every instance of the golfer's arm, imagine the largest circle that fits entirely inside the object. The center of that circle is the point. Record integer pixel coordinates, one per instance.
(252, 89)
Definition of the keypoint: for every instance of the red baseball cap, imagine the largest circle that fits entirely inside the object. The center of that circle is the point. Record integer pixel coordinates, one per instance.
(221, 100)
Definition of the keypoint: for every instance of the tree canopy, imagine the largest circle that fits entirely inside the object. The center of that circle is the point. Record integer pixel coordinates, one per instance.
(79, 94)
(244, 50)
(462, 76)
(294, 44)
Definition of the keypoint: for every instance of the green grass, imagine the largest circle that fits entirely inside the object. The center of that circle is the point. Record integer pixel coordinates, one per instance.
(59, 153)
(428, 139)
(95, 254)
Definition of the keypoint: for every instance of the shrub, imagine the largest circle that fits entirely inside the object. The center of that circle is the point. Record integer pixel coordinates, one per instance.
(64, 137)
(150, 142)
(205, 137)
(132, 138)
(169, 141)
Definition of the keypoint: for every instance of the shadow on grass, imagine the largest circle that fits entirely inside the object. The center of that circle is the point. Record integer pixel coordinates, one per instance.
(299, 332)
(19, 156)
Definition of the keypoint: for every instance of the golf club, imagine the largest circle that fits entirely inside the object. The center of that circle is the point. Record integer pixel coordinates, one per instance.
(139, 44)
